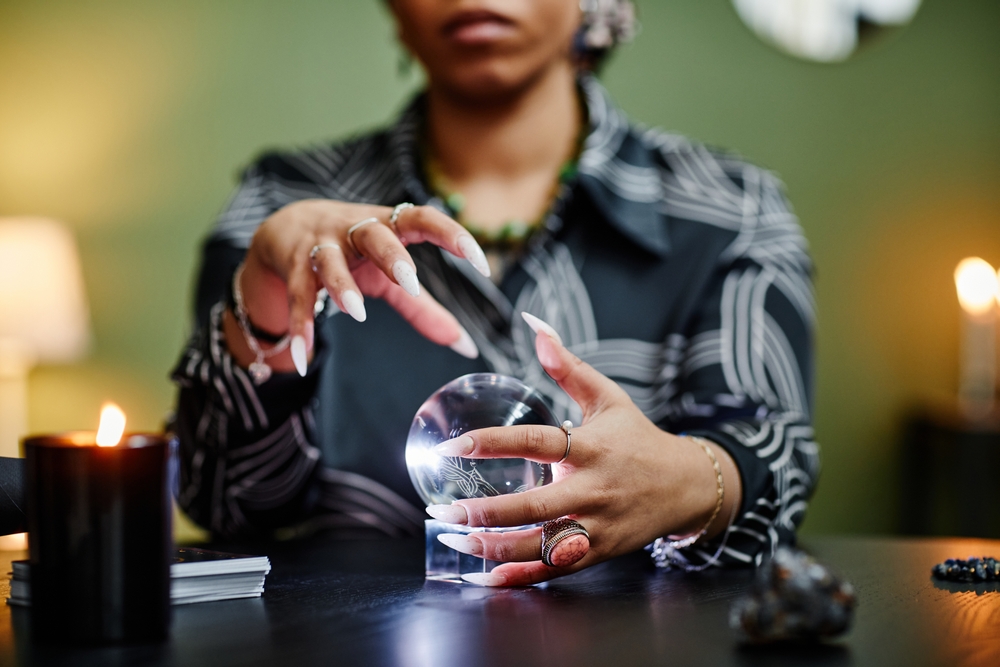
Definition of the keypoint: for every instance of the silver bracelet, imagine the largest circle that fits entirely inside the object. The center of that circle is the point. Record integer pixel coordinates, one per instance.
(260, 372)
(666, 556)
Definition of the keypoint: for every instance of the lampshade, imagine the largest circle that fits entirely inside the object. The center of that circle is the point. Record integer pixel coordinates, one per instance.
(43, 309)
(822, 30)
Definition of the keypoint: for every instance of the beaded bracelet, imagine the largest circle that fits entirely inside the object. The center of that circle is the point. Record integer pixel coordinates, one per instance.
(721, 490)
(971, 570)
(259, 370)
(256, 331)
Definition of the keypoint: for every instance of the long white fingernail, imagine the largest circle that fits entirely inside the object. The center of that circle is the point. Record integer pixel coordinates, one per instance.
(299, 358)
(538, 325)
(465, 346)
(459, 446)
(449, 513)
(406, 277)
(485, 578)
(462, 543)
(472, 252)
(354, 305)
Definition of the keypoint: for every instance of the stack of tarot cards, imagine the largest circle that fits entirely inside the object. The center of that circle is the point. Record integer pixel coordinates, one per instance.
(196, 575)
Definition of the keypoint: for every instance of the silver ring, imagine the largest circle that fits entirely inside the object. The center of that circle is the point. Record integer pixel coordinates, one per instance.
(395, 214)
(321, 246)
(355, 227)
(557, 530)
(566, 426)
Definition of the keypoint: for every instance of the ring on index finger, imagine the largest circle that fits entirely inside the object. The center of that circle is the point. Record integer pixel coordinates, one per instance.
(396, 213)
(321, 246)
(355, 227)
(566, 426)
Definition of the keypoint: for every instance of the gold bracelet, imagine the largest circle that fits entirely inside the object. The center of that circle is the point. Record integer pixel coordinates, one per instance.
(694, 537)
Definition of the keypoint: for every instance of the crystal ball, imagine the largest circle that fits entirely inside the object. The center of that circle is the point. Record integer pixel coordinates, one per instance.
(472, 402)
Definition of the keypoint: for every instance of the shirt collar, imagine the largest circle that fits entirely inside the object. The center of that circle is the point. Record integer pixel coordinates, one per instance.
(617, 169)
(620, 173)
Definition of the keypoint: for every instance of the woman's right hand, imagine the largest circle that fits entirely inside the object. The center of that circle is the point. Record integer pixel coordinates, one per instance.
(279, 282)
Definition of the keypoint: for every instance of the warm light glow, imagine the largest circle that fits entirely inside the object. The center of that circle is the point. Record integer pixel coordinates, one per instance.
(977, 285)
(43, 308)
(109, 433)
(14, 542)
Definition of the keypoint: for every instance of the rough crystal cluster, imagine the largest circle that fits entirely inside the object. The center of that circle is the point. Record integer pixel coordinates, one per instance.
(794, 598)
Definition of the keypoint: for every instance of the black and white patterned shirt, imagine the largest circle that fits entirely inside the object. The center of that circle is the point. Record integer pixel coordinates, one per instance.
(675, 270)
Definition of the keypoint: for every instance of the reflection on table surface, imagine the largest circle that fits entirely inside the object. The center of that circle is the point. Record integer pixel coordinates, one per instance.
(366, 602)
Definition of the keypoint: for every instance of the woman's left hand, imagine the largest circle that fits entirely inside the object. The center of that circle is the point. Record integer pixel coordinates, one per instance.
(625, 480)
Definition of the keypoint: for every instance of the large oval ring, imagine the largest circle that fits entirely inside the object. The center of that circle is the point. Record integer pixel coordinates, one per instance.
(564, 541)
(566, 426)
(355, 227)
(396, 213)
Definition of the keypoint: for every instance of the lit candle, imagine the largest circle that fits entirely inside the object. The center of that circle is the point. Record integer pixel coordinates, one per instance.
(978, 292)
(99, 525)
(111, 427)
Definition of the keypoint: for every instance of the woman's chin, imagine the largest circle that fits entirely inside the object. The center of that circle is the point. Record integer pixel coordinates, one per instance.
(487, 82)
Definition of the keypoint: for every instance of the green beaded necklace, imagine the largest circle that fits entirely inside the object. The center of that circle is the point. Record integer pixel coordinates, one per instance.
(514, 233)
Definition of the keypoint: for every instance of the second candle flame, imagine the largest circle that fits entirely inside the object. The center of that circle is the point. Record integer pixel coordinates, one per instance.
(977, 285)
(109, 433)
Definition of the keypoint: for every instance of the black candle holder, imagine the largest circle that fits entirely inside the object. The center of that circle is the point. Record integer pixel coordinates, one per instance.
(99, 539)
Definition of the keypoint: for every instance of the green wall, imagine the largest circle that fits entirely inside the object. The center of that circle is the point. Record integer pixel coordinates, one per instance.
(128, 120)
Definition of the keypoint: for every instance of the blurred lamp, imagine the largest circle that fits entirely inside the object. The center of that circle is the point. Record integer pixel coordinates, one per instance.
(978, 288)
(822, 30)
(43, 313)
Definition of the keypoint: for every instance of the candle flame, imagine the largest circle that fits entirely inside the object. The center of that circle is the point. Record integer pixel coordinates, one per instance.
(109, 433)
(976, 282)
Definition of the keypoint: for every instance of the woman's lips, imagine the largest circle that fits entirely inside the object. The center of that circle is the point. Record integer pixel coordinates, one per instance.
(478, 27)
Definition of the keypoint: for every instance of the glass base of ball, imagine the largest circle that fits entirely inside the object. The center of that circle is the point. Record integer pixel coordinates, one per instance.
(444, 563)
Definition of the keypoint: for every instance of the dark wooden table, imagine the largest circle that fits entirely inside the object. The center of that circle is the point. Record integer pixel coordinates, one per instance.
(366, 603)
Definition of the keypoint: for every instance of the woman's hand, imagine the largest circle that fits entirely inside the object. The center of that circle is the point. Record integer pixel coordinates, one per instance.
(280, 279)
(625, 480)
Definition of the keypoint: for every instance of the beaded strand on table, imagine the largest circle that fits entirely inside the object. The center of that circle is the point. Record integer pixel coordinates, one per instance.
(971, 570)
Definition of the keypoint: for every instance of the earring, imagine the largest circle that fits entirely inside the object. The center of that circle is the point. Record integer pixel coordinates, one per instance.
(607, 23)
